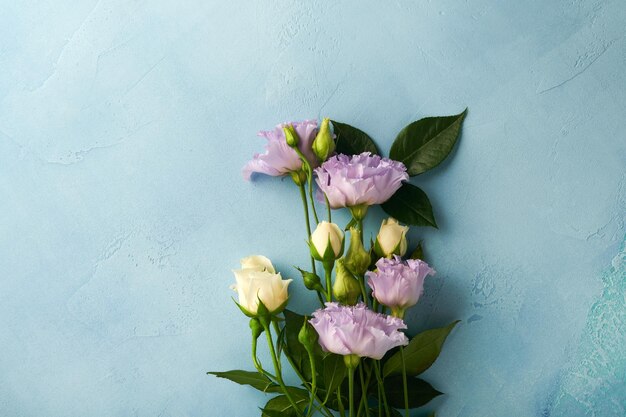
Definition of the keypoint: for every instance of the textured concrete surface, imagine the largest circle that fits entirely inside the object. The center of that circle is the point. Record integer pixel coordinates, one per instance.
(123, 129)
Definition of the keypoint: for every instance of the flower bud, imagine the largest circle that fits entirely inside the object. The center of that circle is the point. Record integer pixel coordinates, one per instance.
(391, 239)
(357, 258)
(324, 143)
(307, 336)
(326, 242)
(311, 280)
(291, 136)
(299, 177)
(256, 328)
(346, 288)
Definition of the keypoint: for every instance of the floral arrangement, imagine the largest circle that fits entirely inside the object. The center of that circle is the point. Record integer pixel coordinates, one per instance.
(352, 356)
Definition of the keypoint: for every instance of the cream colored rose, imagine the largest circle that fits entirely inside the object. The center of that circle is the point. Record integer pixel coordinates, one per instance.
(324, 233)
(391, 238)
(257, 280)
(257, 262)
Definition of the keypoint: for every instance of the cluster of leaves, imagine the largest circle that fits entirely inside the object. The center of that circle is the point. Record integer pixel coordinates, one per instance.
(421, 146)
(331, 372)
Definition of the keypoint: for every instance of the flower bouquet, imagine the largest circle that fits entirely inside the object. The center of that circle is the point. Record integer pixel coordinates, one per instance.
(352, 356)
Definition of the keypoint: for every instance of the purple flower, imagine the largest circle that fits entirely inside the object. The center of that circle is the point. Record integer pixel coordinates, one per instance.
(363, 179)
(356, 330)
(397, 284)
(279, 159)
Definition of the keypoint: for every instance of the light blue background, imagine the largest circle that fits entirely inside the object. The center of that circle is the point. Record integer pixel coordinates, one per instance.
(123, 129)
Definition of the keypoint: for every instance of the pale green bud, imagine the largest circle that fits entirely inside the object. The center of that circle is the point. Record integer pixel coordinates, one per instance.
(391, 239)
(357, 258)
(311, 280)
(256, 328)
(324, 144)
(291, 136)
(326, 242)
(307, 336)
(346, 288)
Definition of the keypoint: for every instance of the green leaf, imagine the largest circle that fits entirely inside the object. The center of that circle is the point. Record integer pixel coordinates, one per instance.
(421, 352)
(419, 392)
(393, 412)
(281, 407)
(352, 141)
(418, 253)
(423, 144)
(334, 372)
(410, 205)
(254, 379)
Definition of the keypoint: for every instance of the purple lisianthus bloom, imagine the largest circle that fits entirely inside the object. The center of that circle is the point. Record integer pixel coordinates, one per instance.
(364, 179)
(279, 158)
(398, 284)
(356, 330)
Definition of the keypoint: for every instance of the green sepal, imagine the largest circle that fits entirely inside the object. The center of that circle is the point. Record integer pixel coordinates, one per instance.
(378, 250)
(359, 212)
(329, 253)
(244, 310)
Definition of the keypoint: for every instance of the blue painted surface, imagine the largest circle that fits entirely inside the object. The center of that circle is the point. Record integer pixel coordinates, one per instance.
(123, 129)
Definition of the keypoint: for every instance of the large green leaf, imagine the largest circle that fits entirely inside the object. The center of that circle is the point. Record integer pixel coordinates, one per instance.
(254, 379)
(334, 372)
(423, 144)
(421, 352)
(411, 205)
(281, 406)
(352, 141)
(419, 392)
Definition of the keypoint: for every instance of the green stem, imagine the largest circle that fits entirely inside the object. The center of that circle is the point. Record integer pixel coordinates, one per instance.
(364, 391)
(329, 286)
(342, 410)
(279, 377)
(313, 382)
(310, 180)
(328, 208)
(404, 384)
(306, 217)
(351, 390)
(360, 226)
(361, 280)
(382, 386)
(257, 363)
(380, 409)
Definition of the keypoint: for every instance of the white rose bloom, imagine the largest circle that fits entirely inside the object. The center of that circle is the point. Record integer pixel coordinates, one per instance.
(257, 280)
(321, 236)
(392, 237)
(257, 262)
